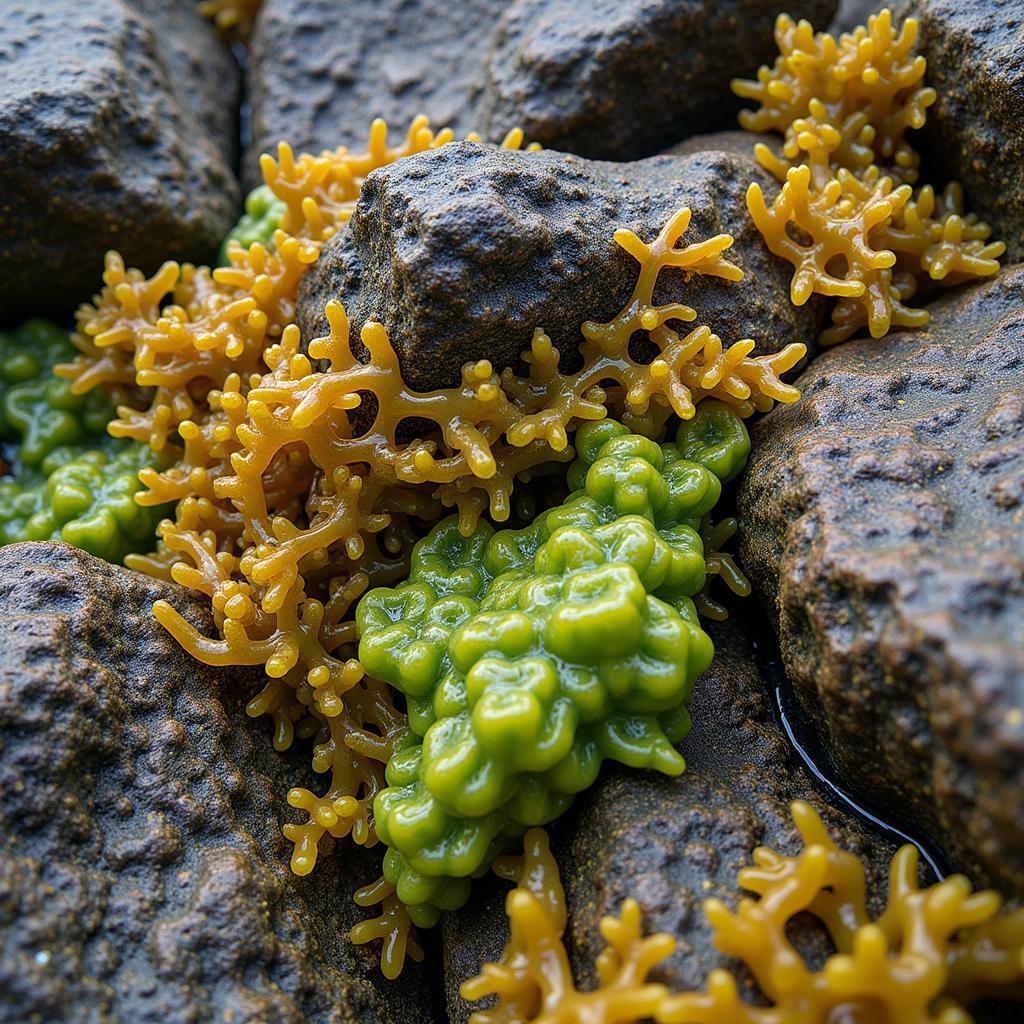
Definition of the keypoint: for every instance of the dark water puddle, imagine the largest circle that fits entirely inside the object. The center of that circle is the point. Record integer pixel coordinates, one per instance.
(808, 748)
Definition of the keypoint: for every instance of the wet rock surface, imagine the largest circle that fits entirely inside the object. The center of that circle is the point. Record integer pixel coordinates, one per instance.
(882, 522)
(143, 875)
(975, 130)
(121, 136)
(463, 251)
(622, 79)
(672, 843)
(321, 71)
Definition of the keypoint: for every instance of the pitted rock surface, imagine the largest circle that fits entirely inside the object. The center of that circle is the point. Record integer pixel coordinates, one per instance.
(672, 843)
(117, 131)
(461, 252)
(975, 130)
(321, 71)
(882, 522)
(622, 79)
(143, 875)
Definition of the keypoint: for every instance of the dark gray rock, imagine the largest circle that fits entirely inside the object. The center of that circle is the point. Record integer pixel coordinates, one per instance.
(117, 130)
(672, 843)
(975, 130)
(882, 522)
(461, 252)
(143, 875)
(321, 71)
(622, 79)
(852, 13)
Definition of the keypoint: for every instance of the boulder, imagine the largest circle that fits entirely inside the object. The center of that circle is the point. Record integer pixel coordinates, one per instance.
(975, 130)
(672, 843)
(462, 251)
(320, 71)
(143, 874)
(882, 523)
(622, 79)
(122, 136)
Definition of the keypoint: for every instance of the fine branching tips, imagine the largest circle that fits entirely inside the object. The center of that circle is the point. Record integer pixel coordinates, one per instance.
(926, 959)
(848, 216)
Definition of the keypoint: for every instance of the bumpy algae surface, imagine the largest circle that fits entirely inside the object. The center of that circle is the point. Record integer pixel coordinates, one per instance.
(530, 656)
(65, 479)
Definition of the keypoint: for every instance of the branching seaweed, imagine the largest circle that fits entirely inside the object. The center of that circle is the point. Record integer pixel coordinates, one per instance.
(847, 217)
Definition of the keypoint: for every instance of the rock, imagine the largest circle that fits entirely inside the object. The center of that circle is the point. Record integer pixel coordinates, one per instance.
(672, 843)
(122, 136)
(622, 79)
(882, 522)
(320, 73)
(143, 874)
(975, 130)
(461, 252)
(852, 13)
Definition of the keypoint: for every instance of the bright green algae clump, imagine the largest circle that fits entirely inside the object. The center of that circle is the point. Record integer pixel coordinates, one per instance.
(64, 478)
(262, 217)
(530, 656)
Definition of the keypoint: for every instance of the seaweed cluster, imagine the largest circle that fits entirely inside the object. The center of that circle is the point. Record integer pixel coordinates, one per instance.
(528, 657)
(62, 477)
(286, 511)
(927, 958)
(848, 216)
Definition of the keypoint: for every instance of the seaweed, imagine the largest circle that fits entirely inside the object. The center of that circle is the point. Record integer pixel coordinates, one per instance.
(847, 216)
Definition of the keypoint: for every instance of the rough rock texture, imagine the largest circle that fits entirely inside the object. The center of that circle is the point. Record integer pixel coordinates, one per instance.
(621, 79)
(463, 251)
(321, 71)
(975, 130)
(672, 843)
(143, 875)
(882, 523)
(122, 136)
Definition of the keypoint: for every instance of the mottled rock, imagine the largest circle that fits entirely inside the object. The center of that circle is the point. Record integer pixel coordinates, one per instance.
(672, 843)
(117, 130)
(622, 79)
(321, 71)
(461, 252)
(882, 522)
(975, 130)
(143, 874)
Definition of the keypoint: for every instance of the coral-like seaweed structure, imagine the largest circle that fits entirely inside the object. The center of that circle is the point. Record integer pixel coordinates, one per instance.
(285, 512)
(528, 657)
(847, 216)
(931, 954)
(534, 982)
(61, 476)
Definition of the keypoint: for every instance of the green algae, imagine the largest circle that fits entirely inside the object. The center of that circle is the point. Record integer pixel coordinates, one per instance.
(528, 657)
(63, 477)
